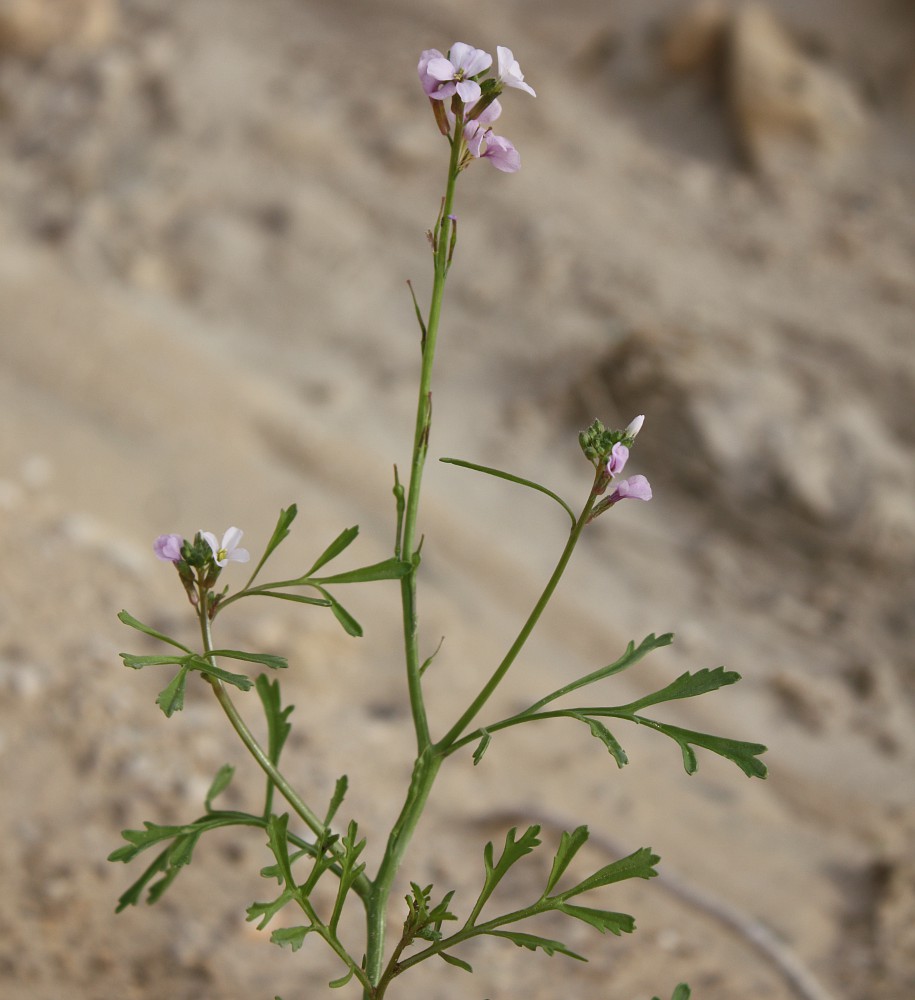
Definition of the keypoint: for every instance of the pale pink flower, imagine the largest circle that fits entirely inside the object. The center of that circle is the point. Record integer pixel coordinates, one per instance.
(484, 144)
(454, 73)
(227, 550)
(168, 547)
(619, 455)
(634, 488)
(510, 72)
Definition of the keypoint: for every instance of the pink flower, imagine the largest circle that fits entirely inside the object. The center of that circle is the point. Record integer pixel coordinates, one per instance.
(226, 551)
(619, 455)
(635, 488)
(510, 72)
(168, 547)
(454, 74)
(484, 144)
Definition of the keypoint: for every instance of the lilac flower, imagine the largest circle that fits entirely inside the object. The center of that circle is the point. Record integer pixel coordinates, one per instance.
(635, 488)
(168, 547)
(483, 143)
(226, 551)
(619, 455)
(453, 74)
(510, 72)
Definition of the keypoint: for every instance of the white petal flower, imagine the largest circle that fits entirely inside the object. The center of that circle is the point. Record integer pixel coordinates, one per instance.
(226, 551)
(510, 72)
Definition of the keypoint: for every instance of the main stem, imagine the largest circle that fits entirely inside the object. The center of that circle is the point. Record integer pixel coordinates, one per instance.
(427, 763)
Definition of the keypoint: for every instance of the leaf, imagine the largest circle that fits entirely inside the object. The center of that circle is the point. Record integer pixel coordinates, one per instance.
(350, 625)
(140, 840)
(632, 656)
(171, 698)
(128, 619)
(219, 784)
(603, 920)
(512, 479)
(513, 851)
(290, 937)
(682, 992)
(138, 662)
(569, 845)
(341, 542)
(335, 984)
(533, 942)
(278, 728)
(743, 754)
(459, 962)
(388, 569)
(337, 798)
(274, 662)
(265, 912)
(599, 730)
(428, 661)
(236, 680)
(280, 533)
(639, 864)
(278, 844)
(687, 685)
(482, 747)
(299, 598)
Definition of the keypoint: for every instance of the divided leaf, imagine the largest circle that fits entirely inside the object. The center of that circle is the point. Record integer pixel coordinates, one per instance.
(603, 920)
(569, 846)
(639, 864)
(533, 942)
(743, 754)
(290, 937)
(219, 784)
(602, 733)
(171, 698)
(687, 685)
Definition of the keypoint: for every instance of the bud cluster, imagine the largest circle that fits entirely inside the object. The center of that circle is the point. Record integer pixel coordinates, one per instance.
(200, 561)
(608, 451)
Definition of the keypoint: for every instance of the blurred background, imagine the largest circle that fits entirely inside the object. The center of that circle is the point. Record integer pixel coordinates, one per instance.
(208, 213)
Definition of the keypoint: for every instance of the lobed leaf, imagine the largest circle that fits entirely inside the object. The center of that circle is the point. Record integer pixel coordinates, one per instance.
(278, 727)
(219, 784)
(602, 733)
(569, 845)
(290, 937)
(138, 662)
(639, 864)
(171, 698)
(603, 920)
(265, 912)
(743, 754)
(459, 962)
(687, 685)
(128, 619)
(203, 666)
(533, 942)
(337, 798)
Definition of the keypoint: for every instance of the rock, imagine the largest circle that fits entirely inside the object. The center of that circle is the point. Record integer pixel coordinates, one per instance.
(32, 27)
(789, 111)
(695, 38)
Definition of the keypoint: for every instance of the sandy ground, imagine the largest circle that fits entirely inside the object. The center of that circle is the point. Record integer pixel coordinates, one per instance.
(208, 214)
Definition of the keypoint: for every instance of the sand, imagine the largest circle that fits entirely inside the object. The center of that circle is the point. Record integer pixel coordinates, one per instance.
(209, 214)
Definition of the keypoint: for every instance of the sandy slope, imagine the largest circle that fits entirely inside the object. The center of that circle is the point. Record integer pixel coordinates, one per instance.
(206, 226)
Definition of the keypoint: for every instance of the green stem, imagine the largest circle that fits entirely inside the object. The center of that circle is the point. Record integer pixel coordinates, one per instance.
(453, 734)
(427, 763)
(362, 885)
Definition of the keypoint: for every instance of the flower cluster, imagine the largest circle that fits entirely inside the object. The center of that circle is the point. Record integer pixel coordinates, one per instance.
(199, 562)
(464, 99)
(609, 450)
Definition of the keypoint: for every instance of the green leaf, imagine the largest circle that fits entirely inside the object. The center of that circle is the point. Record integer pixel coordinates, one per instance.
(128, 619)
(341, 542)
(459, 962)
(388, 569)
(682, 992)
(512, 479)
(599, 730)
(280, 533)
(278, 728)
(513, 851)
(482, 746)
(569, 845)
(236, 680)
(219, 784)
(632, 656)
(533, 942)
(603, 920)
(687, 686)
(290, 937)
(265, 912)
(639, 864)
(335, 984)
(274, 662)
(278, 844)
(337, 798)
(171, 697)
(350, 625)
(428, 661)
(138, 662)
(140, 840)
(349, 871)
(743, 754)
(298, 598)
